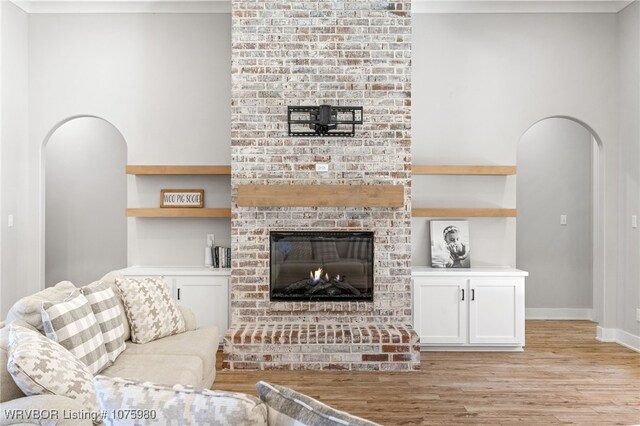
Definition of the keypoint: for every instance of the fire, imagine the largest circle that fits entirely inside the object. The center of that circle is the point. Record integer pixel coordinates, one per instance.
(321, 275)
(316, 275)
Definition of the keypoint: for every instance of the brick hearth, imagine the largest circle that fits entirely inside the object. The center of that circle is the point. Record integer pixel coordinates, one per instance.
(298, 52)
(375, 347)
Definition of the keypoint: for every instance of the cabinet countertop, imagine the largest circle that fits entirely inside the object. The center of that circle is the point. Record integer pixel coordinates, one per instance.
(480, 271)
(174, 270)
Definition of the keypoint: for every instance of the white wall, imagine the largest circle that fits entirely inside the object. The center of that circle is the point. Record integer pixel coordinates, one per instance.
(627, 299)
(479, 82)
(14, 251)
(554, 178)
(163, 80)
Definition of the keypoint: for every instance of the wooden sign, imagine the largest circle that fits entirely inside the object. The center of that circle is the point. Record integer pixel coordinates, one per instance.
(182, 198)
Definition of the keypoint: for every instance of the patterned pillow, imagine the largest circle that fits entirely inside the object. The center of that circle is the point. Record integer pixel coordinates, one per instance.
(290, 408)
(325, 251)
(73, 324)
(189, 406)
(106, 308)
(151, 310)
(39, 366)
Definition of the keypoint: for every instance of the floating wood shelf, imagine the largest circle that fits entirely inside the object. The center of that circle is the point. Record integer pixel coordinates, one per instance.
(179, 212)
(178, 170)
(320, 196)
(455, 212)
(462, 170)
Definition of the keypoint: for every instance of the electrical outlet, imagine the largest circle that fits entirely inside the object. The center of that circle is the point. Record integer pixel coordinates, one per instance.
(210, 240)
(563, 219)
(634, 221)
(10, 221)
(322, 167)
(638, 314)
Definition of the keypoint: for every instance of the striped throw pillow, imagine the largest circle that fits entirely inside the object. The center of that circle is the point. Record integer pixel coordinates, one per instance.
(359, 248)
(73, 324)
(106, 308)
(290, 408)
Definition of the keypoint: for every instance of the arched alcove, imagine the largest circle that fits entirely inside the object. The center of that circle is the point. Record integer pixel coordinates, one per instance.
(85, 200)
(559, 227)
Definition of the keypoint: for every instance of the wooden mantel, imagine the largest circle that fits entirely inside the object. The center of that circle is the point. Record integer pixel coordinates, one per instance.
(320, 196)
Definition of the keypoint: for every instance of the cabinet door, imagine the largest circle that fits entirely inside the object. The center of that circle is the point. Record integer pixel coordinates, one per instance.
(496, 311)
(207, 297)
(440, 310)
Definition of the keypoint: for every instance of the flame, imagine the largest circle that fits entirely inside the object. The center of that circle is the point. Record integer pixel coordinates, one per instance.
(315, 275)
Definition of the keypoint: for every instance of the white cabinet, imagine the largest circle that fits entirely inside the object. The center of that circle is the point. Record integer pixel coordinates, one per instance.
(203, 290)
(199, 292)
(471, 308)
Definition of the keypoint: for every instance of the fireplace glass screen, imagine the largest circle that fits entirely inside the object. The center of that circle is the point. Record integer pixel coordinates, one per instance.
(321, 266)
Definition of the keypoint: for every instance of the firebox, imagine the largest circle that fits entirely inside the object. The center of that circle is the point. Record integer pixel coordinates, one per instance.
(321, 266)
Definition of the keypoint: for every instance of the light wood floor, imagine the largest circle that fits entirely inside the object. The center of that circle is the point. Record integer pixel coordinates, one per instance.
(563, 376)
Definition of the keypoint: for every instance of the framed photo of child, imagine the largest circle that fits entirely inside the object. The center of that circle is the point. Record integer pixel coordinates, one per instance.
(450, 244)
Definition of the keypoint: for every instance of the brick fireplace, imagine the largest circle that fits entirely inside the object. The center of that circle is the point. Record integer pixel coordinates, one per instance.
(352, 53)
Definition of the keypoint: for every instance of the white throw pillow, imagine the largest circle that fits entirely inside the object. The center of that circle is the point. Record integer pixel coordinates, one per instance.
(151, 310)
(39, 366)
(73, 324)
(106, 308)
(155, 404)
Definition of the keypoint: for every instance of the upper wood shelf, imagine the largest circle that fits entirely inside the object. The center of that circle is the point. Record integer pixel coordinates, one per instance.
(178, 170)
(178, 212)
(459, 212)
(462, 170)
(320, 196)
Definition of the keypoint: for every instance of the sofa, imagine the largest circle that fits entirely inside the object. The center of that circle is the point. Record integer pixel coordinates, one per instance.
(162, 379)
(186, 358)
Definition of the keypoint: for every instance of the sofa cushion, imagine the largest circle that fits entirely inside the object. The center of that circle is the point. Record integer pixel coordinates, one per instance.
(167, 369)
(290, 408)
(28, 308)
(202, 343)
(159, 403)
(106, 308)
(39, 366)
(151, 310)
(73, 324)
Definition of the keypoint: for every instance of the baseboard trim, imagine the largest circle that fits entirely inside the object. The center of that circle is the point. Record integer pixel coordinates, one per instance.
(621, 337)
(558, 314)
(428, 348)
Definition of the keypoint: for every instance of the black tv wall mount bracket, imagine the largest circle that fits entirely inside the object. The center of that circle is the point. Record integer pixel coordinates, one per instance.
(323, 120)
